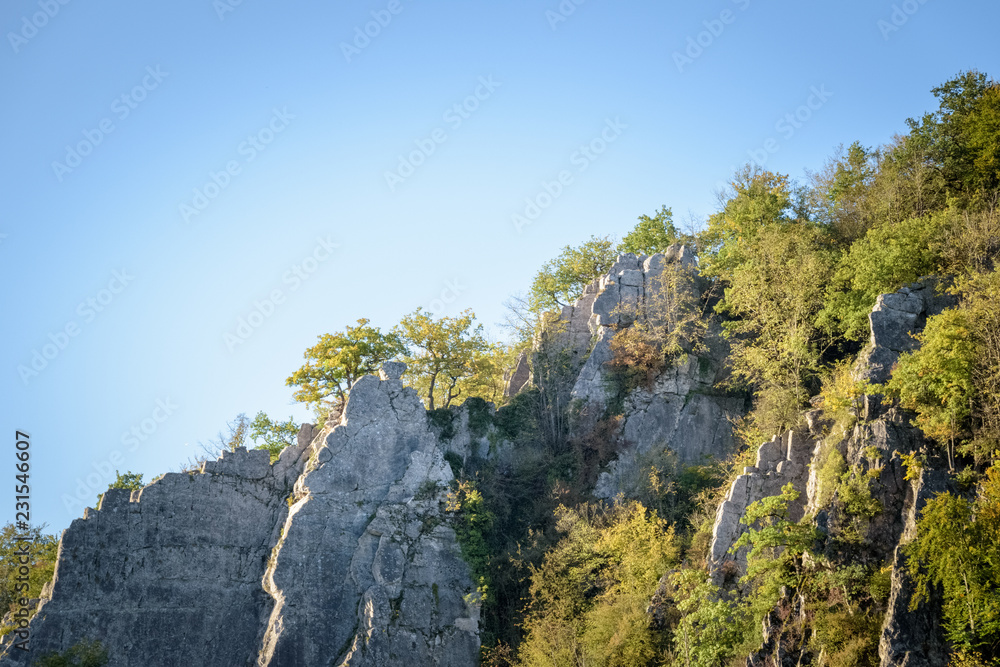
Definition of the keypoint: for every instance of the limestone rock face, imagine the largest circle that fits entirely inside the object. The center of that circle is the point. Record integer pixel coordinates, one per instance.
(519, 378)
(340, 553)
(364, 554)
(914, 638)
(683, 411)
(895, 317)
(780, 461)
(171, 573)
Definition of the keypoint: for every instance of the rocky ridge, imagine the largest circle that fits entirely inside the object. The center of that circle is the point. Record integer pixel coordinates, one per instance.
(340, 553)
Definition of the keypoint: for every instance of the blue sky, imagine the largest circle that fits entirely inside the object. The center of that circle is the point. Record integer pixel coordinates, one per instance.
(172, 169)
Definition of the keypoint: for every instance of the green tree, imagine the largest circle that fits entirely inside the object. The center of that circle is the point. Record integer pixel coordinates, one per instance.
(272, 435)
(710, 628)
(130, 481)
(960, 138)
(560, 281)
(841, 191)
(42, 550)
(82, 654)
(957, 548)
(935, 381)
(589, 595)
(773, 296)
(651, 235)
(755, 198)
(887, 257)
(339, 360)
(448, 353)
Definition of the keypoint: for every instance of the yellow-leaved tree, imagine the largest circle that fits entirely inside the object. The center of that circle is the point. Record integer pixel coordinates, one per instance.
(450, 359)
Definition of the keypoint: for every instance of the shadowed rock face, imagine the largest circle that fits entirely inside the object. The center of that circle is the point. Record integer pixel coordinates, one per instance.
(164, 575)
(215, 568)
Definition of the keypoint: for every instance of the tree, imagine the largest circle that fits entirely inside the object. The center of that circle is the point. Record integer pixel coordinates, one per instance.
(560, 281)
(449, 353)
(957, 547)
(130, 481)
(887, 257)
(773, 297)
(82, 654)
(589, 595)
(841, 189)
(651, 235)
(755, 198)
(271, 435)
(339, 360)
(960, 138)
(42, 549)
(936, 380)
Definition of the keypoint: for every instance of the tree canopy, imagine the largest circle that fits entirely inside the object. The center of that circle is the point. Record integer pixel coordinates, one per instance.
(339, 360)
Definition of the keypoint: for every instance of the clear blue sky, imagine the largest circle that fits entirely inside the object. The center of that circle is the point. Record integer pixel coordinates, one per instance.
(278, 138)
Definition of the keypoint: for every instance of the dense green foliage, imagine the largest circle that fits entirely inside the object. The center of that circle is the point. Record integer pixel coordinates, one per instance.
(271, 435)
(41, 561)
(958, 548)
(590, 593)
(82, 654)
(651, 235)
(339, 360)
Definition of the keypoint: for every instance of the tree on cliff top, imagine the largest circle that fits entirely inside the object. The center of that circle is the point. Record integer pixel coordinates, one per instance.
(452, 359)
(339, 360)
(651, 235)
(560, 281)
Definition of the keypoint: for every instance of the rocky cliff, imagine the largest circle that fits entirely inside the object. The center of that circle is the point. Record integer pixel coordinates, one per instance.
(340, 553)
(871, 454)
(683, 410)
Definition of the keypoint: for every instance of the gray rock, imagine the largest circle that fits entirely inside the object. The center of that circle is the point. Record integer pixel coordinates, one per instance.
(519, 378)
(894, 320)
(339, 553)
(392, 370)
(779, 462)
(914, 638)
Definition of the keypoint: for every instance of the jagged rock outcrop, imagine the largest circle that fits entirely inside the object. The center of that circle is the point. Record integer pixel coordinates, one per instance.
(519, 377)
(871, 451)
(895, 317)
(683, 411)
(365, 555)
(338, 554)
(914, 638)
(169, 573)
(780, 461)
